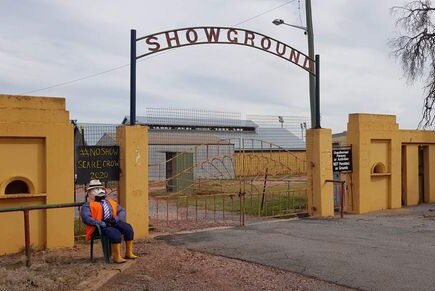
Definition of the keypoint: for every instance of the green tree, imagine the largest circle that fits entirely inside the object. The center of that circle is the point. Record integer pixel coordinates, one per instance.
(414, 45)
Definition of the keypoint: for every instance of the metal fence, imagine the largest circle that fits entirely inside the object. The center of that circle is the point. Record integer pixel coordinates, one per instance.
(91, 134)
(208, 162)
(228, 208)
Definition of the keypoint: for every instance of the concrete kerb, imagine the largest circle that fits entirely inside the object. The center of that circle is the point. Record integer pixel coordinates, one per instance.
(104, 276)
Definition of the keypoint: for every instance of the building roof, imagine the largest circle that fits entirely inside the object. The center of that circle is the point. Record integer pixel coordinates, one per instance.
(262, 139)
(193, 124)
(158, 138)
(108, 139)
(265, 138)
(339, 139)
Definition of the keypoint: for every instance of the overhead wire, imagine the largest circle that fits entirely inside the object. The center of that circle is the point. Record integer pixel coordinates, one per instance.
(146, 58)
(265, 12)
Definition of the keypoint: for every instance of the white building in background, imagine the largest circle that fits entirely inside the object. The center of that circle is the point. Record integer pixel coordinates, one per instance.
(204, 142)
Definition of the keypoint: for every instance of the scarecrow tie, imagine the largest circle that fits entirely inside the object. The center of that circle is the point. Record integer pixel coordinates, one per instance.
(106, 210)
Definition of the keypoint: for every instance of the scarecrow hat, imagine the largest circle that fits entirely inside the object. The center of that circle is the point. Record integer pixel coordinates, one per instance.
(94, 184)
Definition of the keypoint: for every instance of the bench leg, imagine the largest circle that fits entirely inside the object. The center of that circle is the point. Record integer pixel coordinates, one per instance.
(92, 249)
(106, 244)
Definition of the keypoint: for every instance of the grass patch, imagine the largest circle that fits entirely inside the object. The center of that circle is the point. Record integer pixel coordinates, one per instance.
(272, 204)
(229, 186)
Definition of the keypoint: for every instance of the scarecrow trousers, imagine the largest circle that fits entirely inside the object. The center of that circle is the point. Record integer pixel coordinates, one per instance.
(116, 232)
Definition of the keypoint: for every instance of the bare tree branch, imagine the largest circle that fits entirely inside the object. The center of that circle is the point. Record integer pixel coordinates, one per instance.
(415, 48)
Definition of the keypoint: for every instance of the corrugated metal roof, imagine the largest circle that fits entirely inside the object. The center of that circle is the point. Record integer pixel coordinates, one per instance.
(261, 139)
(281, 137)
(198, 122)
(266, 138)
(181, 139)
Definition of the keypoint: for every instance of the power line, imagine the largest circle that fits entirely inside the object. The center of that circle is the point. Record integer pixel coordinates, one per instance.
(149, 57)
(265, 12)
(76, 80)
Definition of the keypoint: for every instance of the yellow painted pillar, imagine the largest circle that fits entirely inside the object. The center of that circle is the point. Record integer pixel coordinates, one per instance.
(395, 189)
(429, 171)
(60, 186)
(410, 175)
(319, 169)
(133, 184)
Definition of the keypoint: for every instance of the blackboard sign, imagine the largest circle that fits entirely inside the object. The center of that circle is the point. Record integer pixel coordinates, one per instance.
(97, 162)
(342, 159)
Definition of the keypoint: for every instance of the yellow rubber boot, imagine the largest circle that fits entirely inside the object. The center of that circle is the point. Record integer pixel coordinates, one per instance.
(116, 254)
(129, 250)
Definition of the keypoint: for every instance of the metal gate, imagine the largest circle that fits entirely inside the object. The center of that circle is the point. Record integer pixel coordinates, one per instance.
(234, 181)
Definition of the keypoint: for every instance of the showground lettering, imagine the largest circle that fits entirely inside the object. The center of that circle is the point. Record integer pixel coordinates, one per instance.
(165, 40)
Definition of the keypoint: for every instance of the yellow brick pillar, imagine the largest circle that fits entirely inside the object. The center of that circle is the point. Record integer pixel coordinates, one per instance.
(410, 175)
(60, 186)
(319, 169)
(133, 184)
(429, 170)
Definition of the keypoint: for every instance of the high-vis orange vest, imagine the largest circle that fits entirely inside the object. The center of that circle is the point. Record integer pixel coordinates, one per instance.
(97, 214)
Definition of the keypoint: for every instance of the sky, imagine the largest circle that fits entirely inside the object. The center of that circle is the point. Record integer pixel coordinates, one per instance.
(80, 50)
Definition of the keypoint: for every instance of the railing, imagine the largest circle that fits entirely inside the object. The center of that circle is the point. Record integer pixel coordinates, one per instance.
(341, 194)
(224, 207)
(26, 210)
(194, 207)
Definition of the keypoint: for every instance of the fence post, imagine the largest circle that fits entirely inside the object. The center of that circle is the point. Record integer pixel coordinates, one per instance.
(242, 208)
(27, 237)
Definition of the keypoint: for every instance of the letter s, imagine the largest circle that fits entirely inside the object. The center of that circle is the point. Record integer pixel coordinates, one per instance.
(152, 41)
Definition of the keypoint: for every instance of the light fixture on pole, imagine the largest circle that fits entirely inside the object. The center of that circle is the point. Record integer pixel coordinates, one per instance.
(281, 120)
(280, 21)
(308, 30)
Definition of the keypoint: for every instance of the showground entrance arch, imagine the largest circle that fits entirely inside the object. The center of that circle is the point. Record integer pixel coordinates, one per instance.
(318, 141)
(181, 37)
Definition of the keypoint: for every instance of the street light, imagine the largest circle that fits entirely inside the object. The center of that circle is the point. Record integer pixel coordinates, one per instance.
(315, 119)
(280, 21)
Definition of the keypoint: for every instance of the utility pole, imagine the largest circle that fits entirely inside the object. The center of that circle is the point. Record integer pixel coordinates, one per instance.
(312, 79)
(133, 77)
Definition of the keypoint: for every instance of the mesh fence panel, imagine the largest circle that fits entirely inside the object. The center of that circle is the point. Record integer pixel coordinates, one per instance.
(90, 134)
(297, 125)
(195, 152)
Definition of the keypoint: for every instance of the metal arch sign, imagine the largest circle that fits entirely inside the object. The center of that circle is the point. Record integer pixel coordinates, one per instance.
(161, 41)
(181, 37)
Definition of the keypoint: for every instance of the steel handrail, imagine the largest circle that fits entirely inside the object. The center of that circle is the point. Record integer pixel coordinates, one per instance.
(341, 194)
(26, 210)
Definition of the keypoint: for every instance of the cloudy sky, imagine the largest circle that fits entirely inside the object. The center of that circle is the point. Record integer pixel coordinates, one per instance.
(80, 50)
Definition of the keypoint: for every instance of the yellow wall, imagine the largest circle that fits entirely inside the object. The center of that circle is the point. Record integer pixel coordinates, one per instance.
(133, 184)
(319, 160)
(429, 169)
(36, 146)
(410, 186)
(377, 140)
(277, 163)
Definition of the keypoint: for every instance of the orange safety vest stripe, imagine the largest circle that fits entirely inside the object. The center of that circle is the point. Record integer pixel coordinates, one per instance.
(97, 214)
